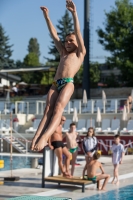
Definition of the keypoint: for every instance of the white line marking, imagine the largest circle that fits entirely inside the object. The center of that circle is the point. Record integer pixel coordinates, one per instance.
(52, 192)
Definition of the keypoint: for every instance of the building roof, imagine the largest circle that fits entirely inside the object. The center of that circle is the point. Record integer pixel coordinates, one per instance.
(26, 69)
(10, 77)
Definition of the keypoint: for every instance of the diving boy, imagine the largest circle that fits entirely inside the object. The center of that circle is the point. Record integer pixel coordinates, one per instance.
(71, 58)
(92, 175)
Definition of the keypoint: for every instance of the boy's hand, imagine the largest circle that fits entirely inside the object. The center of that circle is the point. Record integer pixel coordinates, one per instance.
(45, 11)
(89, 154)
(51, 147)
(70, 6)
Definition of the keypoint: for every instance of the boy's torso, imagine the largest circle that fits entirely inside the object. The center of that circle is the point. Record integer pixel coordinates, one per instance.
(71, 140)
(92, 167)
(117, 148)
(68, 66)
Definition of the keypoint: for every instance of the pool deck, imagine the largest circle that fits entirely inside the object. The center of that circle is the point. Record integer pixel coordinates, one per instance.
(30, 181)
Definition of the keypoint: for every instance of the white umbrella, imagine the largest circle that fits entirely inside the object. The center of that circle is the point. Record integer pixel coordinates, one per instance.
(84, 97)
(75, 115)
(99, 118)
(8, 95)
(132, 93)
(23, 83)
(104, 100)
(124, 114)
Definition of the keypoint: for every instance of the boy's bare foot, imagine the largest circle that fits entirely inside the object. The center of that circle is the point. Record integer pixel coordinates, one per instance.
(66, 175)
(41, 143)
(112, 182)
(100, 187)
(117, 182)
(103, 189)
(33, 142)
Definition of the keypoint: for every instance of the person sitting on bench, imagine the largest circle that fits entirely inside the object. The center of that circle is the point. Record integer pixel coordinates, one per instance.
(91, 167)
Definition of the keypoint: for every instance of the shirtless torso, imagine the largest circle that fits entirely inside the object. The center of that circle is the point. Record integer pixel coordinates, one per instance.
(71, 140)
(69, 64)
(92, 168)
(57, 135)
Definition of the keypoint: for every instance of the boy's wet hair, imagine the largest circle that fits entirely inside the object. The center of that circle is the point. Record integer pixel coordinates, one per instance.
(96, 155)
(89, 130)
(71, 33)
(117, 136)
(72, 124)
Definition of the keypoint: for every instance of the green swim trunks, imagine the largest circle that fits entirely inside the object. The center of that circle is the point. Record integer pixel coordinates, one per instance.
(73, 150)
(94, 179)
(60, 83)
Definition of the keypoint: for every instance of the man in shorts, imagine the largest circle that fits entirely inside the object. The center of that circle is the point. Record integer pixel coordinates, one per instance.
(55, 142)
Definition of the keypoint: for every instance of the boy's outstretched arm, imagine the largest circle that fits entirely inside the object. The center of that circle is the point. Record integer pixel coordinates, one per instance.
(72, 8)
(52, 29)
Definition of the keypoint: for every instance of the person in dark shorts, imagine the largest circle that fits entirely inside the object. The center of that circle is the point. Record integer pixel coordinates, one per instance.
(55, 142)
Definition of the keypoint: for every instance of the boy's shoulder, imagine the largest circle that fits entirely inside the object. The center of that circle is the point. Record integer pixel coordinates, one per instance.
(96, 162)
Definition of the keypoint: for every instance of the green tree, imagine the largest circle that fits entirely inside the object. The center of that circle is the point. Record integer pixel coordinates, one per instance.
(94, 74)
(64, 26)
(33, 46)
(31, 60)
(5, 50)
(19, 64)
(111, 81)
(117, 37)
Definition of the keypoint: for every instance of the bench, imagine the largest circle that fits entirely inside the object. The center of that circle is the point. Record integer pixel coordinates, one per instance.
(72, 181)
(50, 172)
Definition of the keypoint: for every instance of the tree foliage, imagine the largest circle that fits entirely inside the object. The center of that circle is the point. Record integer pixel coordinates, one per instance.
(64, 26)
(31, 60)
(33, 46)
(94, 74)
(5, 50)
(117, 37)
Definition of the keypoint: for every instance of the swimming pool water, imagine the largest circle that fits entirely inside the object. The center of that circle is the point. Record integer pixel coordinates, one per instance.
(124, 193)
(17, 162)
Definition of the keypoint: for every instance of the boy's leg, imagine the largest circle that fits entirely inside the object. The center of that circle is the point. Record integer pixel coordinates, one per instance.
(50, 103)
(67, 159)
(103, 176)
(59, 153)
(74, 156)
(63, 98)
(116, 167)
(113, 175)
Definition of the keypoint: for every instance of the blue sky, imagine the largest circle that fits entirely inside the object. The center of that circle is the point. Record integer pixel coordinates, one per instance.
(23, 19)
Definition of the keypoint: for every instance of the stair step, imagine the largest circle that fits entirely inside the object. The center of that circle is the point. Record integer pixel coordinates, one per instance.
(24, 151)
(15, 143)
(20, 147)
